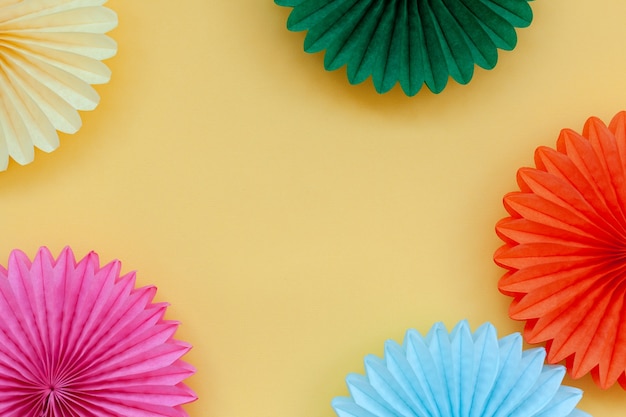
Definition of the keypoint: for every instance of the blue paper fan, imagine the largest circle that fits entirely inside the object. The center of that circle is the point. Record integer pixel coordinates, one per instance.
(459, 374)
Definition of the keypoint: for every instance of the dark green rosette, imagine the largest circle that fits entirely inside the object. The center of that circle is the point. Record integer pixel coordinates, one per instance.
(413, 42)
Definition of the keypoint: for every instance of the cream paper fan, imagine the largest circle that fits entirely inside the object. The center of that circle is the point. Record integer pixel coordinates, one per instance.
(50, 53)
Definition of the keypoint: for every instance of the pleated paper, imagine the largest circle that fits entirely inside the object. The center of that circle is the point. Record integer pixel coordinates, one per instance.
(565, 250)
(50, 53)
(459, 374)
(78, 339)
(413, 42)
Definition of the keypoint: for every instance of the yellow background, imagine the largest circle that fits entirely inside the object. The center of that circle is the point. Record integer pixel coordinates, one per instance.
(293, 221)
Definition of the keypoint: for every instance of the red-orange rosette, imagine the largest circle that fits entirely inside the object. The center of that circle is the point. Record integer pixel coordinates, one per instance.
(565, 251)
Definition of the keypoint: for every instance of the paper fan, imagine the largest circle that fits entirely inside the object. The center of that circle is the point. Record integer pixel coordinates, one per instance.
(50, 52)
(412, 42)
(459, 375)
(565, 249)
(78, 339)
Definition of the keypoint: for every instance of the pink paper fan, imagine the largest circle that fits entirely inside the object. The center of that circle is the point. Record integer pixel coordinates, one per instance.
(79, 340)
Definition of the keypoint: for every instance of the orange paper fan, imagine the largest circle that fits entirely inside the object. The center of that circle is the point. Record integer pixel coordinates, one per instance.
(565, 251)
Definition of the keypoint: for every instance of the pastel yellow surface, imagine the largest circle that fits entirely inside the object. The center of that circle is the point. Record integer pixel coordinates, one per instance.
(293, 221)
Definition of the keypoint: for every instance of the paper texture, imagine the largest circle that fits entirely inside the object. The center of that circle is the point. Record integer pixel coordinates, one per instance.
(413, 43)
(564, 249)
(459, 374)
(78, 339)
(50, 56)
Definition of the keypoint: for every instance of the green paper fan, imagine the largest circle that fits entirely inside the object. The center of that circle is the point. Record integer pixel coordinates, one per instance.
(413, 42)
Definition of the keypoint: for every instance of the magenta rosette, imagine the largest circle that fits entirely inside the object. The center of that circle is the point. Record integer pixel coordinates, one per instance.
(79, 340)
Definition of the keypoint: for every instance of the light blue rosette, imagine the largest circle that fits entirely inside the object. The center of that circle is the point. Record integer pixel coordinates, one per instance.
(459, 374)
